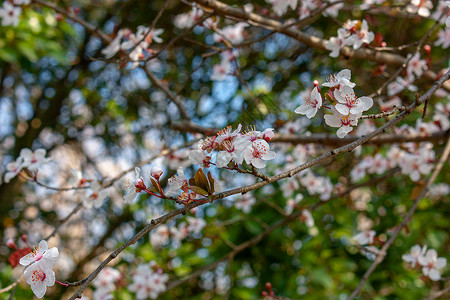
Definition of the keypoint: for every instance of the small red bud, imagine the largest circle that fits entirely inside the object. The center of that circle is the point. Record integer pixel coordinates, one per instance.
(24, 238)
(11, 244)
(427, 49)
(383, 44)
(268, 286)
(59, 17)
(264, 293)
(76, 10)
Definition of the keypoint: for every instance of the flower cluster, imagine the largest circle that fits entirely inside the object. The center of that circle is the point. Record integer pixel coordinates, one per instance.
(160, 236)
(148, 281)
(39, 272)
(10, 12)
(353, 33)
(235, 147)
(415, 68)
(27, 159)
(105, 283)
(220, 71)
(346, 108)
(136, 45)
(413, 159)
(429, 261)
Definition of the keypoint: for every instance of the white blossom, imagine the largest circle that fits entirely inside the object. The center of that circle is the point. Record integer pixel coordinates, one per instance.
(311, 105)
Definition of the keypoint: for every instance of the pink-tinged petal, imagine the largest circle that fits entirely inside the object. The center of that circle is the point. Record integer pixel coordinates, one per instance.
(258, 163)
(356, 111)
(440, 263)
(315, 95)
(130, 196)
(366, 102)
(223, 158)
(26, 153)
(302, 109)
(43, 246)
(332, 121)
(434, 274)
(346, 74)
(269, 155)
(50, 278)
(311, 112)
(26, 260)
(39, 290)
(343, 131)
(343, 109)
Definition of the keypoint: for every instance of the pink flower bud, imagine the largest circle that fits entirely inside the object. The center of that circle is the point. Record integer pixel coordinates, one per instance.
(11, 244)
(268, 134)
(24, 238)
(156, 172)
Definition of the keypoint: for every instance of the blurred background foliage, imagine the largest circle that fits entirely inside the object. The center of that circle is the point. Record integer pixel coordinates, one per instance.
(57, 92)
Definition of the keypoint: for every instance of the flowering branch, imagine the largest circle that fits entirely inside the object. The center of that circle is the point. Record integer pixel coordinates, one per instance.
(379, 258)
(347, 148)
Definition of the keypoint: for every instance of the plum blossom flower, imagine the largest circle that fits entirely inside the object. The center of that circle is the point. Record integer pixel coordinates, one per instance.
(46, 257)
(33, 160)
(349, 104)
(245, 203)
(334, 44)
(147, 283)
(421, 7)
(400, 84)
(444, 38)
(416, 65)
(105, 283)
(10, 14)
(195, 225)
(232, 33)
(176, 182)
(187, 20)
(417, 164)
(312, 183)
(361, 36)
(344, 122)
(96, 196)
(133, 188)
(413, 256)
(160, 236)
(221, 71)
(77, 178)
(307, 218)
(364, 237)
(258, 153)
(311, 105)
(280, 6)
(340, 80)
(13, 168)
(200, 156)
(432, 264)
(333, 11)
(292, 203)
(39, 278)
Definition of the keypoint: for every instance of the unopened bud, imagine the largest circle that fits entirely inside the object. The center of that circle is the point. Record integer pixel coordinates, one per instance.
(24, 238)
(268, 286)
(156, 172)
(268, 134)
(59, 17)
(427, 49)
(11, 244)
